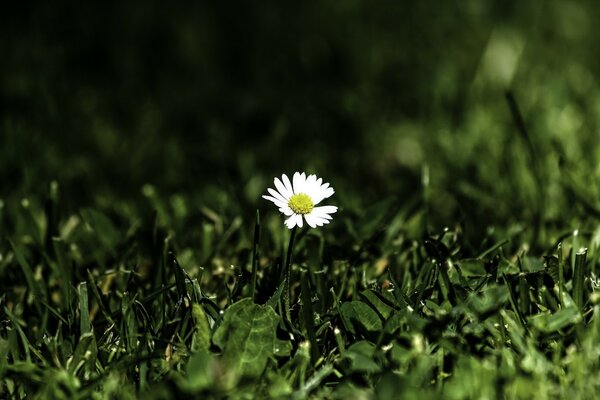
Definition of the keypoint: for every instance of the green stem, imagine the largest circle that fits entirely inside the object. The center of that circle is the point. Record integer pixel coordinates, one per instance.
(288, 265)
(255, 254)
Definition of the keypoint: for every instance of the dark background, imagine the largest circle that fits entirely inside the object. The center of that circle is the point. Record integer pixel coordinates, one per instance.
(212, 99)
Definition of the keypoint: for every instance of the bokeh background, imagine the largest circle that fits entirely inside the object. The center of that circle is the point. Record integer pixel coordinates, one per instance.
(208, 101)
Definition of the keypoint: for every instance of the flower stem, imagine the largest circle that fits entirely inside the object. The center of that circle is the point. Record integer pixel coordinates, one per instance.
(255, 254)
(288, 265)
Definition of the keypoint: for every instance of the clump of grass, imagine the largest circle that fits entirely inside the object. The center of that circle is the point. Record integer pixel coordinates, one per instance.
(117, 304)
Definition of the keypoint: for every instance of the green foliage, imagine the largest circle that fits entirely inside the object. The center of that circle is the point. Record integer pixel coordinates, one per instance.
(202, 333)
(461, 140)
(140, 314)
(247, 338)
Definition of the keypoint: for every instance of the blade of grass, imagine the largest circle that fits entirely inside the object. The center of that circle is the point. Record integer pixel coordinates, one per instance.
(34, 287)
(446, 285)
(561, 274)
(84, 310)
(492, 249)
(63, 271)
(32, 223)
(17, 324)
(513, 302)
(524, 301)
(578, 278)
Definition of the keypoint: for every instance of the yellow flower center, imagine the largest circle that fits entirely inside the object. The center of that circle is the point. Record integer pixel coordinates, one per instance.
(301, 203)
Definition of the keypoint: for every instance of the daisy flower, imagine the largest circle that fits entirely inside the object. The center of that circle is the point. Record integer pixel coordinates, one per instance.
(297, 200)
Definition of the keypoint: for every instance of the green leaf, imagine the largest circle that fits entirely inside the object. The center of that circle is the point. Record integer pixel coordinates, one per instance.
(200, 371)
(282, 348)
(356, 314)
(201, 339)
(247, 336)
(378, 302)
(362, 355)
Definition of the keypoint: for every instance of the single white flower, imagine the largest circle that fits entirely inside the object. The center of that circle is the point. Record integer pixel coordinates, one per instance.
(299, 199)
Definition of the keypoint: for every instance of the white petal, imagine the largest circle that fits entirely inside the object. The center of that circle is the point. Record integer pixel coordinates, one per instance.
(290, 222)
(294, 220)
(318, 216)
(323, 216)
(299, 182)
(288, 185)
(277, 195)
(278, 203)
(323, 193)
(311, 220)
(311, 188)
(286, 210)
(282, 188)
(324, 210)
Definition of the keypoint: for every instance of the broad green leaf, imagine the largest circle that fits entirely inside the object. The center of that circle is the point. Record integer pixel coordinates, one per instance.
(247, 336)
(200, 371)
(532, 264)
(362, 357)
(356, 314)
(378, 302)
(201, 338)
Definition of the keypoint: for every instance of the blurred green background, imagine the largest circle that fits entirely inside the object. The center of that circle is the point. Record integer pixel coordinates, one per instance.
(212, 99)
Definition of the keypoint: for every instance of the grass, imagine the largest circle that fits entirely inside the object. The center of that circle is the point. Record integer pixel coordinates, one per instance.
(121, 303)
(138, 260)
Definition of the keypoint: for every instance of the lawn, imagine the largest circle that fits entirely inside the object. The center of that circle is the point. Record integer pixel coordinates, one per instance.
(139, 259)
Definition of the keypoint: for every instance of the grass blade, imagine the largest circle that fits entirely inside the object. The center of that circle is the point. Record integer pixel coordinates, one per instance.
(84, 310)
(578, 278)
